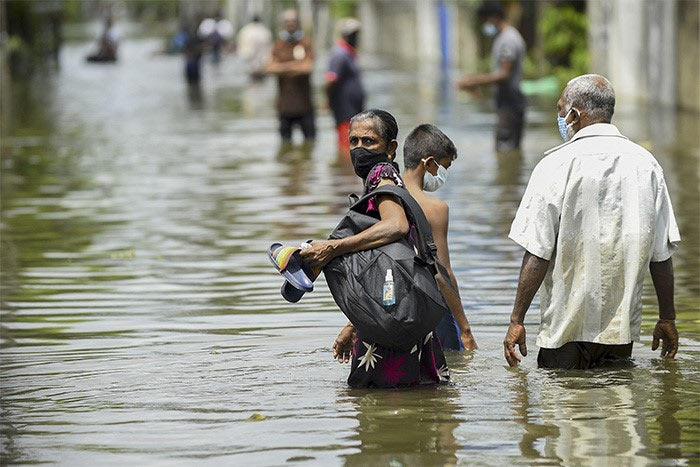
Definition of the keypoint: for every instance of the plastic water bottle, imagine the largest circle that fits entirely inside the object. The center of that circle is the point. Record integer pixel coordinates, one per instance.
(389, 295)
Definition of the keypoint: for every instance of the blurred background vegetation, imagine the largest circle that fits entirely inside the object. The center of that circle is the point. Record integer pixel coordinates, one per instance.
(343, 8)
(555, 31)
(564, 42)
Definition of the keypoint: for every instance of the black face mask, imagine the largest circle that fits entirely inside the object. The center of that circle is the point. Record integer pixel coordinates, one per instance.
(352, 39)
(363, 160)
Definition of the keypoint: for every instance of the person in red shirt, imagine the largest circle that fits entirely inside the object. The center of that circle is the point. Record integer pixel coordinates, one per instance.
(346, 94)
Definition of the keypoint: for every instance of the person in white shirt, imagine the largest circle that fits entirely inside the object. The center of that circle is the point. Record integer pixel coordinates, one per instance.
(596, 213)
(254, 44)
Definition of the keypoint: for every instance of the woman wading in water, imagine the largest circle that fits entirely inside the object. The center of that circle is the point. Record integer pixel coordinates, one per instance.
(373, 146)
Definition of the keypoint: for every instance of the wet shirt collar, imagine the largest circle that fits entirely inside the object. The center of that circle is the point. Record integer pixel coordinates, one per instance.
(597, 129)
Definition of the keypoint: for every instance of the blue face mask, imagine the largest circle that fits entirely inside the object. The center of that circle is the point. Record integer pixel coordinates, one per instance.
(489, 29)
(291, 37)
(561, 123)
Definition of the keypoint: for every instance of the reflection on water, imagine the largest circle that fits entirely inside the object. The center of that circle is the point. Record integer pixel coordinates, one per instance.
(604, 415)
(409, 427)
(142, 323)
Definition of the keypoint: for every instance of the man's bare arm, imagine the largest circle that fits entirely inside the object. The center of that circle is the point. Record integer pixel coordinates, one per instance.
(291, 67)
(503, 73)
(304, 66)
(665, 330)
(275, 67)
(662, 276)
(532, 272)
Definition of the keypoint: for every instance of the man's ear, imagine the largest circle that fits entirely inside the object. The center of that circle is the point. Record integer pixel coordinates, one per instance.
(575, 114)
(391, 150)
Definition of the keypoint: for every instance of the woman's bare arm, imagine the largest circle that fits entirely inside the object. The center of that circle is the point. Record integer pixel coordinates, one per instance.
(392, 225)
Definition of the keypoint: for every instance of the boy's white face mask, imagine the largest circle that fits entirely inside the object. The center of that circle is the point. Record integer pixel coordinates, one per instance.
(434, 182)
(489, 29)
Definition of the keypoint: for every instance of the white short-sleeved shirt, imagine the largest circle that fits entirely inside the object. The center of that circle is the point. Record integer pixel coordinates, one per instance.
(598, 209)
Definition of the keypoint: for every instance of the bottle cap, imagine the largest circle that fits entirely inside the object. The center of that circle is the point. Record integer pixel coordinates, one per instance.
(389, 275)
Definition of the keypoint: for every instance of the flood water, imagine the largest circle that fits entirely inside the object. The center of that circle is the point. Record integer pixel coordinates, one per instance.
(142, 322)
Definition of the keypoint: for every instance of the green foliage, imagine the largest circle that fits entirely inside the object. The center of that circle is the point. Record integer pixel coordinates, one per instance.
(564, 30)
(564, 34)
(15, 44)
(73, 11)
(150, 11)
(532, 69)
(343, 8)
(147, 11)
(483, 65)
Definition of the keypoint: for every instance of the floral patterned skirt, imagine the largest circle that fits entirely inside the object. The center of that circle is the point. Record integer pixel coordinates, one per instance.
(376, 366)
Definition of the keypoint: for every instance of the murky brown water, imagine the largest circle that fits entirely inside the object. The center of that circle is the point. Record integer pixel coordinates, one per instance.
(142, 324)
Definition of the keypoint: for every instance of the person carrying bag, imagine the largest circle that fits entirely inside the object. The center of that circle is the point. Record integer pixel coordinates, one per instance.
(359, 281)
(380, 266)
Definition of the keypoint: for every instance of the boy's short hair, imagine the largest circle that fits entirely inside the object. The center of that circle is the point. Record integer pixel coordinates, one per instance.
(427, 140)
(490, 9)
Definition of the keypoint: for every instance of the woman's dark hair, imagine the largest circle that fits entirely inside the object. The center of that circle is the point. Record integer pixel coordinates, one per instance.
(388, 130)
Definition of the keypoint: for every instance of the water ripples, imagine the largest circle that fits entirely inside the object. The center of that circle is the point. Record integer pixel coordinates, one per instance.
(142, 323)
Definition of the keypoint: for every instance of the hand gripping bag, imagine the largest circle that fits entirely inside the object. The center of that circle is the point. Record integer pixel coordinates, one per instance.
(356, 280)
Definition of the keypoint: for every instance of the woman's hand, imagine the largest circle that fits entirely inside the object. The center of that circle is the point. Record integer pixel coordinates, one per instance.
(342, 347)
(320, 253)
(467, 339)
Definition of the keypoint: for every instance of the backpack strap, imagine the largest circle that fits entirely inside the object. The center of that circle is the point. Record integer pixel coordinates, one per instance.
(425, 243)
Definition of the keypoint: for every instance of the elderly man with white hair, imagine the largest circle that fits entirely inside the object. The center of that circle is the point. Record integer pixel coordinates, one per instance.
(596, 213)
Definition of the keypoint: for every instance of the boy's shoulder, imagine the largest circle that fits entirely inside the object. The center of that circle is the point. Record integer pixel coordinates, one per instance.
(439, 205)
(433, 207)
(428, 203)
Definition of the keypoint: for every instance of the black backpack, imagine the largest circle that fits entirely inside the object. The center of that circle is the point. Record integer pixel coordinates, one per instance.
(356, 280)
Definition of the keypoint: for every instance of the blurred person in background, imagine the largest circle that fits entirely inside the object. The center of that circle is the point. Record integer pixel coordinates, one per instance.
(176, 44)
(595, 215)
(346, 95)
(507, 55)
(216, 31)
(253, 45)
(193, 49)
(292, 61)
(108, 43)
